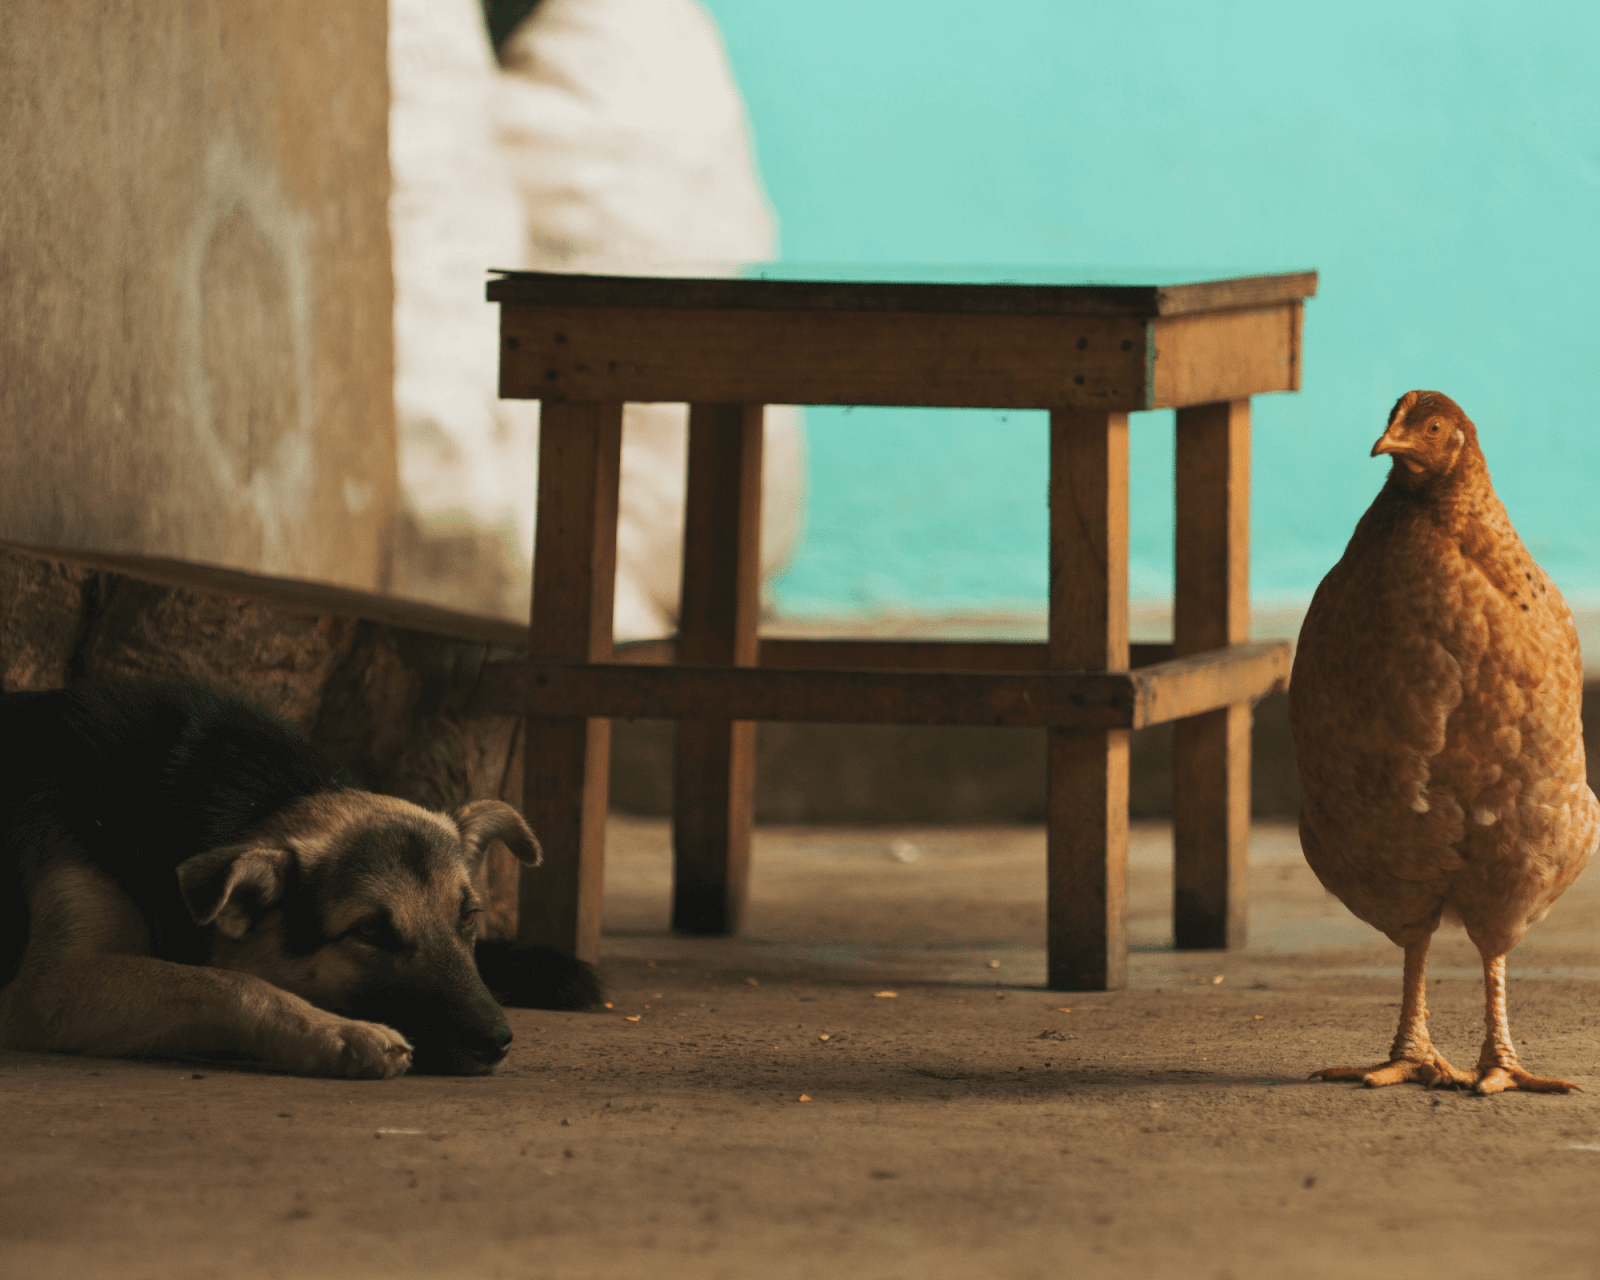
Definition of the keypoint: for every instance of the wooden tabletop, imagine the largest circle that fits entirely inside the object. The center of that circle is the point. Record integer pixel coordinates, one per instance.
(1040, 291)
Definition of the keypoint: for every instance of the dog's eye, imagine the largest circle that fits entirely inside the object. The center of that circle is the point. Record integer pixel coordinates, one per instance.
(469, 918)
(375, 931)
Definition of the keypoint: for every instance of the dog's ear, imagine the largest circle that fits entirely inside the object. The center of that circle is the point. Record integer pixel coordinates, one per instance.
(228, 887)
(482, 822)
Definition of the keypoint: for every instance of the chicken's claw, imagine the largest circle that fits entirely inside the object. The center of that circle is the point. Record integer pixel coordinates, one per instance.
(1433, 1071)
(1500, 1079)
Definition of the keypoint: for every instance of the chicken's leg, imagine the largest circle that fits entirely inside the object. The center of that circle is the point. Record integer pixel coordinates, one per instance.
(1412, 1056)
(1498, 1069)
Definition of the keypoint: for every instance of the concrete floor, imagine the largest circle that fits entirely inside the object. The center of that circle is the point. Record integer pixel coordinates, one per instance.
(970, 1124)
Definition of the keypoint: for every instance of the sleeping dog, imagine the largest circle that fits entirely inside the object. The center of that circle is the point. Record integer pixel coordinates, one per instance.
(181, 874)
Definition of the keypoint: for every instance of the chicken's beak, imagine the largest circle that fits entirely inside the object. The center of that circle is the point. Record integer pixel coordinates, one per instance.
(1390, 442)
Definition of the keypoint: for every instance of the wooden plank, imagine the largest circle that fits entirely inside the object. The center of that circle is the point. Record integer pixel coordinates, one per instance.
(1211, 752)
(1211, 604)
(1225, 355)
(1081, 699)
(567, 756)
(575, 548)
(1204, 682)
(722, 534)
(823, 357)
(647, 652)
(628, 692)
(566, 763)
(987, 296)
(906, 655)
(1211, 829)
(714, 761)
(1087, 802)
(892, 655)
(1087, 860)
(929, 655)
(713, 791)
(1297, 339)
(1088, 540)
(1241, 291)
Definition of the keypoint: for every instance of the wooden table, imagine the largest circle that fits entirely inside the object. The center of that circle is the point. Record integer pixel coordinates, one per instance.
(1087, 352)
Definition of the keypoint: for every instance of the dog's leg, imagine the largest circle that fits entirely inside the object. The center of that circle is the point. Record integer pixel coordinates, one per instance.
(79, 991)
(131, 1006)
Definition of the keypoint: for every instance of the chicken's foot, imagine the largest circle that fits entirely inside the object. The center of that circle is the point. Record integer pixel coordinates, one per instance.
(1498, 1069)
(1412, 1056)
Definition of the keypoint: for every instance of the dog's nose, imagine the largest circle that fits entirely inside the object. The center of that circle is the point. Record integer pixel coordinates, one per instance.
(494, 1045)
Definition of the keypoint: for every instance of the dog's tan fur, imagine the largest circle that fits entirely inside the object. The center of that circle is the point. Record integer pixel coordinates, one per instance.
(86, 985)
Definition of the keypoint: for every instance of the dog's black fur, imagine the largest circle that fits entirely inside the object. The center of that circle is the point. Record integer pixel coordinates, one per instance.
(141, 779)
(158, 797)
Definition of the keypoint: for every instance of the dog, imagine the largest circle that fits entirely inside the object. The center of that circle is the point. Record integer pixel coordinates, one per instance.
(181, 874)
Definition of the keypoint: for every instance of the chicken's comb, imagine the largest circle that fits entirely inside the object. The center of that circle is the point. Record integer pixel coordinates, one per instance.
(1403, 405)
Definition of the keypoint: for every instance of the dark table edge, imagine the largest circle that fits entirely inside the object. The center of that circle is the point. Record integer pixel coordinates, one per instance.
(563, 289)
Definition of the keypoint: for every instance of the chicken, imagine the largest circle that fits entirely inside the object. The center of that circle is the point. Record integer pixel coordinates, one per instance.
(1435, 705)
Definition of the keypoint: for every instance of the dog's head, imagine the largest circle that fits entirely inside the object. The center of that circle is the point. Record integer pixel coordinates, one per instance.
(367, 906)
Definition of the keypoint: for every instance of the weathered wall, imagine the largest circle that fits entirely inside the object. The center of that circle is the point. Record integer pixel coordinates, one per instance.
(195, 294)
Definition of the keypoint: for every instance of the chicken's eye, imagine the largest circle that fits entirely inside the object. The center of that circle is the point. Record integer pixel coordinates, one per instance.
(1433, 428)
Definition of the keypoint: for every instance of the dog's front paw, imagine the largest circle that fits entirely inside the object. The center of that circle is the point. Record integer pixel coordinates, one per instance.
(334, 1046)
(372, 1051)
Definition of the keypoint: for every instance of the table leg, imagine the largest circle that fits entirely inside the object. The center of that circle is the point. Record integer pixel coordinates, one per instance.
(714, 768)
(1088, 768)
(566, 759)
(1211, 752)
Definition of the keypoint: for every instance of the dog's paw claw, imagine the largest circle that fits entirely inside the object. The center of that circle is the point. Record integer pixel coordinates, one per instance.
(335, 1046)
(373, 1052)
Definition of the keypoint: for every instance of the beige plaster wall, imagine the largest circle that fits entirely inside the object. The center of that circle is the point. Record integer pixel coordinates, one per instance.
(196, 349)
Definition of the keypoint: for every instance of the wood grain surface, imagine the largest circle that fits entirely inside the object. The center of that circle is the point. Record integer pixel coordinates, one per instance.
(1087, 766)
(990, 297)
(1090, 700)
(567, 754)
(1211, 609)
(823, 357)
(714, 760)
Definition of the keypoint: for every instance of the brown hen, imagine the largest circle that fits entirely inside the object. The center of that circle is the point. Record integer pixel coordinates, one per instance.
(1435, 704)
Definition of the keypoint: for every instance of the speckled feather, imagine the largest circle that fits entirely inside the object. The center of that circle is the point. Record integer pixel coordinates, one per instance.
(1435, 703)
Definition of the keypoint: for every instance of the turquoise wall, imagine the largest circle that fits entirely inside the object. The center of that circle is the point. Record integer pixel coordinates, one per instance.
(1439, 163)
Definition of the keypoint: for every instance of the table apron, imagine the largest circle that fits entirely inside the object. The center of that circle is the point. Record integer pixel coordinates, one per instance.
(1115, 363)
(1064, 699)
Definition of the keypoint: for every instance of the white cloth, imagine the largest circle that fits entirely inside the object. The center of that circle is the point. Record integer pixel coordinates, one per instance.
(615, 138)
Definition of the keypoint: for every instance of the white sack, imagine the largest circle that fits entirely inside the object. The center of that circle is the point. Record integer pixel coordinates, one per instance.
(615, 138)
